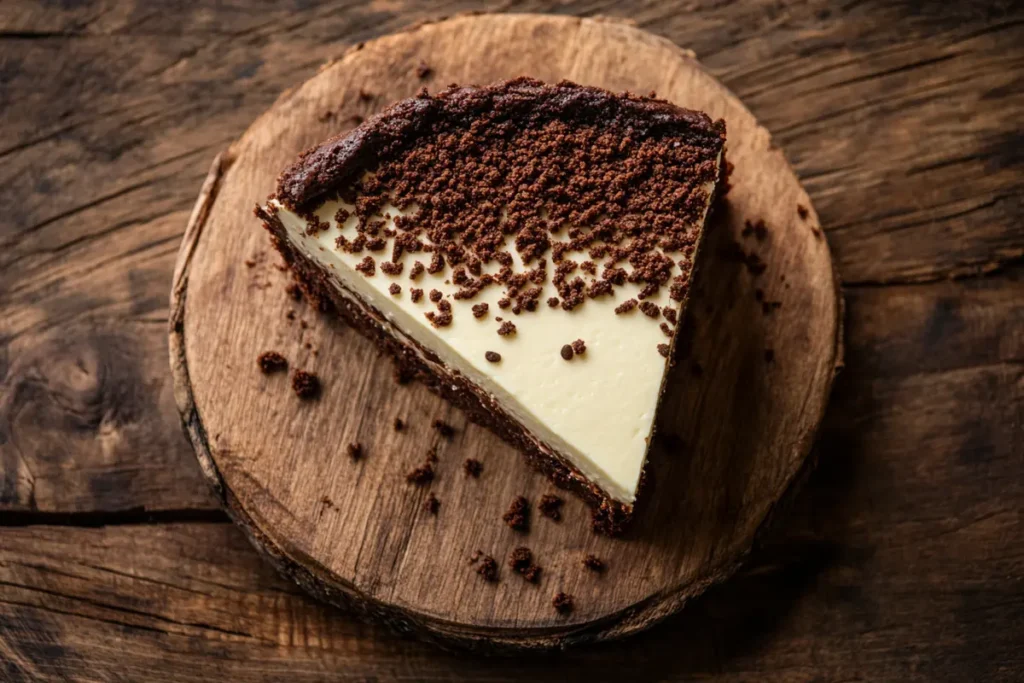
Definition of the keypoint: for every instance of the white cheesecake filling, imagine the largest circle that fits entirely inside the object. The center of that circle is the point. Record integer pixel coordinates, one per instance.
(597, 410)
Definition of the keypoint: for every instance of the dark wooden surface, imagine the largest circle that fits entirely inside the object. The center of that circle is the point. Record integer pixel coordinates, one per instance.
(902, 560)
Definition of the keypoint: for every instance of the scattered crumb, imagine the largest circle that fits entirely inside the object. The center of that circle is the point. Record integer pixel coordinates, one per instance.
(399, 424)
(507, 328)
(521, 562)
(290, 315)
(423, 71)
(432, 454)
(551, 506)
(355, 450)
(802, 211)
(593, 563)
(579, 347)
(327, 502)
(365, 95)
(492, 357)
(609, 520)
(518, 515)
(444, 429)
(395, 289)
(473, 467)
(566, 352)
(432, 504)
(563, 603)
(665, 350)
(422, 475)
(305, 384)
(271, 361)
(488, 568)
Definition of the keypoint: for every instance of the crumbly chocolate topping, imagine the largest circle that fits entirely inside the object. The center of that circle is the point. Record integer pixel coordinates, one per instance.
(609, 519)
(566, 352)
(473, 467)
(579, 347)
(626, 306)
(669, 313)
(431, 504)
(507, 328)
(649, 309)
(444, 429)
(492, 356)
(355, 451)
(395, 289)
(518, 515)
(422, 475)
(555, 168)
(423, 71)
(415, 294)
(666, 330)
(551, 506)
(480, 310)
(521, 562)
(593, 563)
(271, 361)
(488, 568)
(563, 603)
(306, 385)
(399, 424)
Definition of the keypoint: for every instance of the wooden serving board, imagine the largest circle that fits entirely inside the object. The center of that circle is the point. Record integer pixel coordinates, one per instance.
(735, 430)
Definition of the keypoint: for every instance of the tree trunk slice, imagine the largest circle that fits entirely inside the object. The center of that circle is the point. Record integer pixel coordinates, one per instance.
(735, 429)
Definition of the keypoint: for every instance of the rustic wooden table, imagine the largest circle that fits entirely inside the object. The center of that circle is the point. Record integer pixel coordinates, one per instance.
(903, 558)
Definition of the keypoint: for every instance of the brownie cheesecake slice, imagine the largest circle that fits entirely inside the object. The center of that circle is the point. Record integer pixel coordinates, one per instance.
(526, 250)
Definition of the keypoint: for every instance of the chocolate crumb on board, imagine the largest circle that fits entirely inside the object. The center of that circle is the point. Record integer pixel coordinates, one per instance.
(665, 350)
(550, 506)
(306, 385)
(579, 347)
(416, 294)
(271, 361)
(424, 474)
(609, 519)
(521, 562)
(593, 563)
(488, 568)
(365, 95)
(395, 289)
(626, 306)
(518, 515)
(769, 355)
(650, 309)
(355, 451)
(444, 429)
(294, 291)
(566, 352)
(562, 603)
(432, 454)
(473, 467)
(507, 328)
(432, 504)
(802, 211)
(532, 574)
(423, 71)
(492, 356)
(399, 424)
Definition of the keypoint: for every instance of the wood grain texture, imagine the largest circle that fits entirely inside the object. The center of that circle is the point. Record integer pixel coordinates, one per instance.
(900, 562)
(357, 534)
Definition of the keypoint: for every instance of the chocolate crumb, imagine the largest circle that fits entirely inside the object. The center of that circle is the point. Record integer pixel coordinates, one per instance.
(666, 330)
(518, 515)
(579, 347)
(551, 506)
(769, 355)
(532, 574)
(399, 424)
(626, 306)
(670, 314)
(473, 467)
(367, 266)
(492, 357)
(480, 310)
(562, 603)
(553, 302)
(802, 211)
(432, 454)
(488, 568)
(424, 474)
(432, 504)
(415, 294)
(416, 270)
(444, 429)
(650, 309)
(306, 385)
(294, 291)
(593, 563)
(435, 295)
(423, 71)
(395, 289)
(355, 451)
(567, 352)
(290, 315)
(271, 361)
(664, 350)
(507, 328)
(249, 263)
(521, 562)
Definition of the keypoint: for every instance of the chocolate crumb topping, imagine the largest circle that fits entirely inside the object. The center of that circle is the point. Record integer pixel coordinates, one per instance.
(355, 451)
(435, 295)
(670, 314)
(416, 270)
(518, 515)
(609, 519)
(306, 385)
(395, 289)
(626, 306)
(432, 504)
(579, 347)
(553, 302)
(271, 361)
(563, 603)
(521, 562)
(567, 352)
(649, 309)
(492, 356)
(391, 268)
(488, 568)
(444, 429)
(593, 563)
(473, 467)
(399, 424)
(367, 266)
(415, 294)
(666, 330)
(423, 71)
(551, 506)
(507, 328)
(480, 310)
(422, 475)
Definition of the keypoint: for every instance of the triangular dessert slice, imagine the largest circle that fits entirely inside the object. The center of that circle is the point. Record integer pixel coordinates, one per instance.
(526, 250)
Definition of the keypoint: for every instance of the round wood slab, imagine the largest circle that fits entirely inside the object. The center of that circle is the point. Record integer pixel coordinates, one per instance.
(735, 429)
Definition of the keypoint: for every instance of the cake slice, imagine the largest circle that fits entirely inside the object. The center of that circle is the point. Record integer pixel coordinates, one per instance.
(526, 250)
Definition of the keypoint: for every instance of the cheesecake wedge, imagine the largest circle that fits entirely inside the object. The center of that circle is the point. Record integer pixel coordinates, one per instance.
(525, 250)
